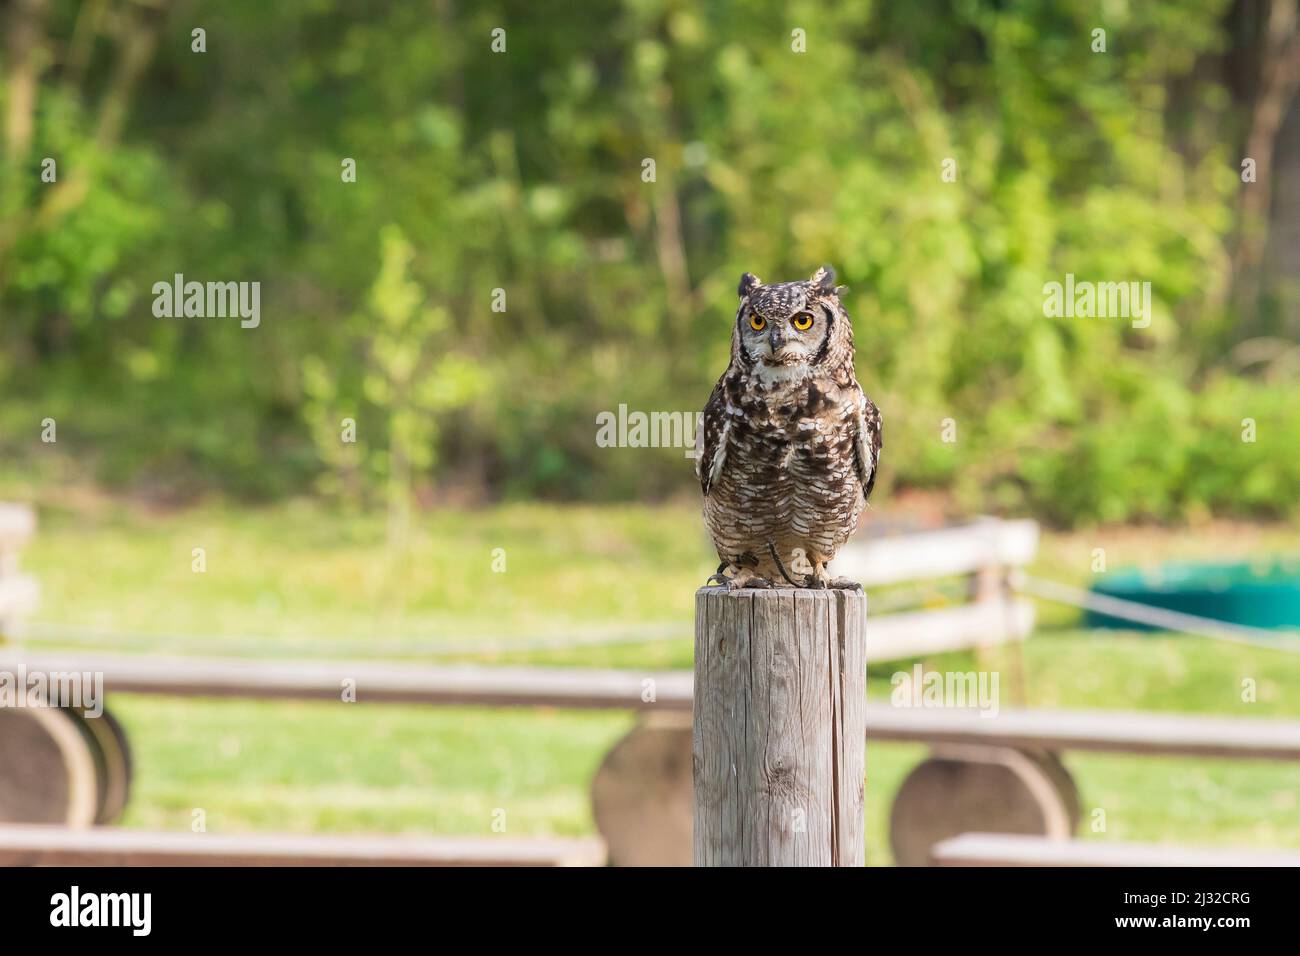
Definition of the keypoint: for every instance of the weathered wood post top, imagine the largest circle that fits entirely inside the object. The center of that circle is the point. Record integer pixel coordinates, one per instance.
(779, 733)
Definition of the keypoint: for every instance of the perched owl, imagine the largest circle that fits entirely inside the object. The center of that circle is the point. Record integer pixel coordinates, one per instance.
(789, 444)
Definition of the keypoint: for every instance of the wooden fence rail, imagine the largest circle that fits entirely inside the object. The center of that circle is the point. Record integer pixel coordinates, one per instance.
(663, 691)
(59, 846)
(18, 592)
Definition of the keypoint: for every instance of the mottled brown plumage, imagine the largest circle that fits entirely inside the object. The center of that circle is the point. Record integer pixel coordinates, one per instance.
(789, 444)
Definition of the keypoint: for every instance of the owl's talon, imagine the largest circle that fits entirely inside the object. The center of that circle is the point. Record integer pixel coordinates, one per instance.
(844, 584)
(722, 578)
(747, 579)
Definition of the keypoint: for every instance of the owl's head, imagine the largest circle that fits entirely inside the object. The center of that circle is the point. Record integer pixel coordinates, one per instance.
(791, 326)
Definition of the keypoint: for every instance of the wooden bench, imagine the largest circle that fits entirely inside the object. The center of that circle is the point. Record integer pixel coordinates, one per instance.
(1004, 773)
(61, 846)
(581, 688)
(642, 792)
(1001, 849)
(1001, 773)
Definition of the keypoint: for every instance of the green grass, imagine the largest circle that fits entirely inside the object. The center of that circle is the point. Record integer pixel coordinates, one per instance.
(314, 767)
(299, 579)
(325, 584)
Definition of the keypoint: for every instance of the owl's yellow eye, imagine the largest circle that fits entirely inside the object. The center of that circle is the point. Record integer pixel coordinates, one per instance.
(803, 321)
(757, 322)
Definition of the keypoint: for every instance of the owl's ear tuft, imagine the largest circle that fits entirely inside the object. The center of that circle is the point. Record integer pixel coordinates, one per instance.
(823, 280)
(748, 283)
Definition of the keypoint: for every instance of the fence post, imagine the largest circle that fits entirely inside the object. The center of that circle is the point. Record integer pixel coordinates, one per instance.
(17, 591)
(779, 743)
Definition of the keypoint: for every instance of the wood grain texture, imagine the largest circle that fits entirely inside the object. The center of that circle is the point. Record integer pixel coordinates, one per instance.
(779, 727)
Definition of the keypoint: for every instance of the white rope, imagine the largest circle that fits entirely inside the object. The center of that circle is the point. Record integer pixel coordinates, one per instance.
(315, 646)
(47, 632)
(40, 632)
(1160, 617)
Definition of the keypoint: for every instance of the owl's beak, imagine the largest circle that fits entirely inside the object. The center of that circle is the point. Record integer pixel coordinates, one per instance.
(776, 340)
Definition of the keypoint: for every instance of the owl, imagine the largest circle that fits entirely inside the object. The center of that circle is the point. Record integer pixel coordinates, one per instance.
(788, 446)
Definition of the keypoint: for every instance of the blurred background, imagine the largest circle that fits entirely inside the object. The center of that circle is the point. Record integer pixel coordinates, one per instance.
(504, 267)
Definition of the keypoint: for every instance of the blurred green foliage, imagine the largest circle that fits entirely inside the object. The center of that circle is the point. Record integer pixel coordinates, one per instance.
(522, 171)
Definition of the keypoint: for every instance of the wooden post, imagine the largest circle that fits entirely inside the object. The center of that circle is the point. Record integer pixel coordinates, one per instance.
(17, 592)
(779, 727)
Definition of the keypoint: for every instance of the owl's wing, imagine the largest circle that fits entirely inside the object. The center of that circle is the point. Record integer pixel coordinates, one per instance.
(867, 443)
(711, 439)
